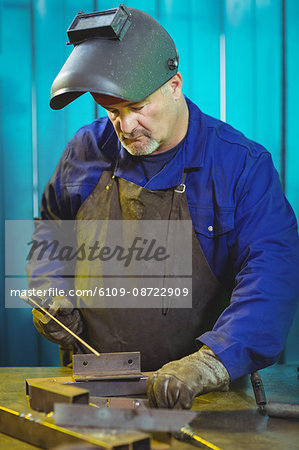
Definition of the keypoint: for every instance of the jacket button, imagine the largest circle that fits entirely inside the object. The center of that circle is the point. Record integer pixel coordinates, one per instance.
(210, 228)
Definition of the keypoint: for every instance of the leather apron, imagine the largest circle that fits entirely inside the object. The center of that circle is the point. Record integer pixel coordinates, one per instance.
(161, 335)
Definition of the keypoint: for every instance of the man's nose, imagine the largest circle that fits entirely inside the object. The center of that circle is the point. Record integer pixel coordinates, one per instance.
(127, 122)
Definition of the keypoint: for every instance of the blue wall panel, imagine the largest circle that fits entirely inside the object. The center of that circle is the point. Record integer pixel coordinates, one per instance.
(51, 125)
(174, 16)
(267, 73)
(3, 353)
(239, 38)
(82, 111)
(292, 154)
(33, 49)
(20, 339)
(202, 65)
(292, 183)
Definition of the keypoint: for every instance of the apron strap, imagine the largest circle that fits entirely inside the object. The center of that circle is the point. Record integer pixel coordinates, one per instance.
(180, 189)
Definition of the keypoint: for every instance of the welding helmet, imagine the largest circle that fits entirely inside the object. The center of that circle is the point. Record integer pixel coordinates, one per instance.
(121, 52)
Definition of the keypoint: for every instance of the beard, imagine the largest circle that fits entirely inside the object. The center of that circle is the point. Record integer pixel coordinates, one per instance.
(137, 147)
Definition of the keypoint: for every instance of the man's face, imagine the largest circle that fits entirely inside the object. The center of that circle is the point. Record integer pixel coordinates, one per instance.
(145, 127)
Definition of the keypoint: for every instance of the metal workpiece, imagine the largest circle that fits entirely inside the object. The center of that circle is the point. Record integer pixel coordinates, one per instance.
(44, 394)
(99, 388)
(107, 366)
(117, 418)
(114, 387)
(119, 402)
(38, 431)
(53, 380)
(228, 420)
(108, 374)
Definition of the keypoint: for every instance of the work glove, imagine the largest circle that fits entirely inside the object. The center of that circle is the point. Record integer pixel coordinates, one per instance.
(177, 383)
(62, 309)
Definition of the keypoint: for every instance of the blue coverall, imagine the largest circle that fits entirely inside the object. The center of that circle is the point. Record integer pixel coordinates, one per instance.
(245, 225)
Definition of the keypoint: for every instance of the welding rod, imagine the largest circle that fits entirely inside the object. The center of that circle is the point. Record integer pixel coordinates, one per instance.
(61, 324)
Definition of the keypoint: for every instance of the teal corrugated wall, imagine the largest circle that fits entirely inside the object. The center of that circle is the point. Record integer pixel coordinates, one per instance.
(231, 54)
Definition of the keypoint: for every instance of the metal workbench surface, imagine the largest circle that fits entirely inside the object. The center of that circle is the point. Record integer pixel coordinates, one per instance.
(229, 420)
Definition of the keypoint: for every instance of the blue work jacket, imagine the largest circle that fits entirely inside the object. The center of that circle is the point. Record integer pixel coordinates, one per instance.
(245, 225)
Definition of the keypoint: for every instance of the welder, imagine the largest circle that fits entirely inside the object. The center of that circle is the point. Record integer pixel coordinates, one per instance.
(157, 156)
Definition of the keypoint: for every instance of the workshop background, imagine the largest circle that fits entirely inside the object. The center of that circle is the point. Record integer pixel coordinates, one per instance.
(239, 61)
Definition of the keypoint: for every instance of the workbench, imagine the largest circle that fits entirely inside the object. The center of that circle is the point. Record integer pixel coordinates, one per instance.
(229, 420)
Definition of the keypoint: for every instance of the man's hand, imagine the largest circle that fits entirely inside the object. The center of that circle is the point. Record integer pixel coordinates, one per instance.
(177, 383)
(63, 310)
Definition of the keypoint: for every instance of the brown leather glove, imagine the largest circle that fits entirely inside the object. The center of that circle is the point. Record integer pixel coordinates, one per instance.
(63, 310)
(177, 383)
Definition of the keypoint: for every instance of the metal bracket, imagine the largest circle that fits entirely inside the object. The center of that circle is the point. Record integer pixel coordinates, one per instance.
(96, 388)
(110, 366)
(106, 375)
(119, 402)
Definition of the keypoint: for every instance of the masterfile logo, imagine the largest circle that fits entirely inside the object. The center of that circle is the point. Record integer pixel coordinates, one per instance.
(110, 263)
(140, 250)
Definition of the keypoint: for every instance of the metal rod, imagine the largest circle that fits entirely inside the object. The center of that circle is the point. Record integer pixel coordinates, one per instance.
(62, 325)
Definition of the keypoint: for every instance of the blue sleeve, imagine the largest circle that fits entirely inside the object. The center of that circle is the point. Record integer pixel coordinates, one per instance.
(264, 250)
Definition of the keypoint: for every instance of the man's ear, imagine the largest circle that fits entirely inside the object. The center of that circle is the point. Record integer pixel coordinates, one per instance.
(176, 84)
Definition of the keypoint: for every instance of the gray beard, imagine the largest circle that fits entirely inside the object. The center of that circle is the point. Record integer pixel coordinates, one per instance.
(146, 149)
